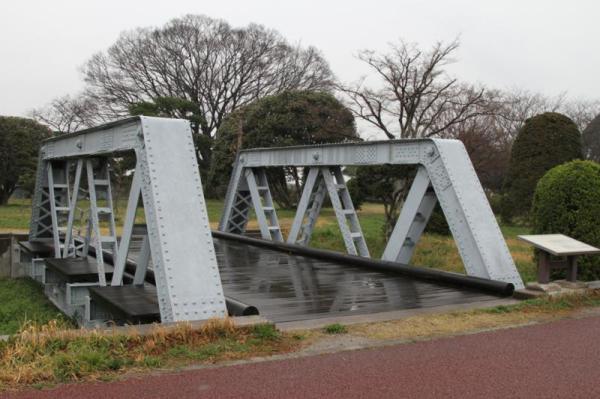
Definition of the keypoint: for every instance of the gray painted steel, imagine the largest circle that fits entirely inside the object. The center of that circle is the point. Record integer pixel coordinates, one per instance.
(309, 208)
(417, 209)
(180, 241)
(262, 201)
(99, 180)
(344, 211)
(132, 203)
(69, 246)
(453, 179)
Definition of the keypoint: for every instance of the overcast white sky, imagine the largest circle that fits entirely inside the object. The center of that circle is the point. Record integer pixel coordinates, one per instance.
(546, 46)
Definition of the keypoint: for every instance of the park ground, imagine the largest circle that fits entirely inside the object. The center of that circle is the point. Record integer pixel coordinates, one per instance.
(221, 359)
(44, 352)
(536, 361)
(21, 301)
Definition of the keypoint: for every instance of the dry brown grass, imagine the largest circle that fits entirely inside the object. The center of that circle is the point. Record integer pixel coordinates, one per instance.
(50, 354)
(438, 325)
(447, 324)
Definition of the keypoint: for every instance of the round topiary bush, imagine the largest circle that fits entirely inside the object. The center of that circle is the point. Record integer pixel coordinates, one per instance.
(567, 201)
(284, 119)
(543, 142)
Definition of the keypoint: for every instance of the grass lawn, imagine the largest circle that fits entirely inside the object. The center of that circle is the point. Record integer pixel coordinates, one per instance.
(434, 251)
(22, 302)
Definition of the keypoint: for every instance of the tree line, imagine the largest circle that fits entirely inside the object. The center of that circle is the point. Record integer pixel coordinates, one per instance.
(213, 74)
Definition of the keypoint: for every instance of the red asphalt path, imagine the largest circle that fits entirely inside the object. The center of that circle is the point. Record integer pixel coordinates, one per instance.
(556, 360)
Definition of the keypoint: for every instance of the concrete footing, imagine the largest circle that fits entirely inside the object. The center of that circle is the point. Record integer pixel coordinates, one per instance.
(555, 288)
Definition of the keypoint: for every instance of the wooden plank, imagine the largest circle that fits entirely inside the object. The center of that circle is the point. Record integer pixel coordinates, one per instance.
(130, 303)
(39, 249)
(291, 287)
(76, 270)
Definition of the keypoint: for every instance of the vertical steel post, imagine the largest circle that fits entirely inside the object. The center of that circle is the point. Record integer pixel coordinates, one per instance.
(121, 258)
(142, 262)
(351, 234)
(268, 206)
(53, 214)
(350, 213)
(314, 211)
(72, 207)
(257, 204)
(110, 212)
(36, 226)
(235, 209)
(95, 222)
(303, 204)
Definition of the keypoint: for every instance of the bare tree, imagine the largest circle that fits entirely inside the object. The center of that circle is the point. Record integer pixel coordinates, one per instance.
(516, 106)
(67, 114)
(582, 111)
(205, 61)
(486, 141)
(412, 97)
(519, 105)
(591, 140)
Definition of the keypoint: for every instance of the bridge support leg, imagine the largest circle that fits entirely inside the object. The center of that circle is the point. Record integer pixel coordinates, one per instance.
(413, 218)
(99, 181)
(344, 211)
(59, 197)
(132, 203)
(262, 201)
(237, 203)
(142, 263)
(309, 208)
(69, 249)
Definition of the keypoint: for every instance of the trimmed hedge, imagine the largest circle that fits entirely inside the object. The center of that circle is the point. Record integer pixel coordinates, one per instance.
(545, 141)
(567, 201)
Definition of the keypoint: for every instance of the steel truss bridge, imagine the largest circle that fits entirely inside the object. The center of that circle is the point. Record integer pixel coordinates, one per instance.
(176, 274)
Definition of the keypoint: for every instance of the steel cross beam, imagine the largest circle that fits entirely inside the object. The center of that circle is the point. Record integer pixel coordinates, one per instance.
(179, 236)
(452, 179)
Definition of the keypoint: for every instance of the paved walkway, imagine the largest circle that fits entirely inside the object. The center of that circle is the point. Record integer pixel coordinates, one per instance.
(558, 360)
